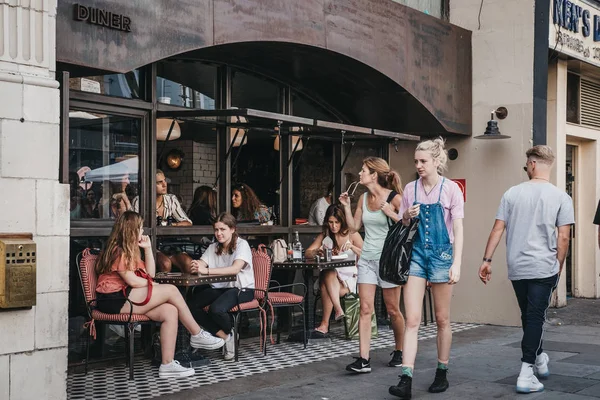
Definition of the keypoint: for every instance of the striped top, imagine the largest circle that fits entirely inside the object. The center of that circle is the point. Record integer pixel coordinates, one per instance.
(172, 208)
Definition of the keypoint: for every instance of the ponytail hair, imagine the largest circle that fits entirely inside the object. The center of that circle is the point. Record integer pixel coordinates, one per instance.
(436, 148)
(386, 177)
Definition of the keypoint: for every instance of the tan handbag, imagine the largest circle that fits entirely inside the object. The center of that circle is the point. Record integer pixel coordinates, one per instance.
(279, 247)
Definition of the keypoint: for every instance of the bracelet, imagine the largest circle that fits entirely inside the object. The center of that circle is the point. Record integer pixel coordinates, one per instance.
(487, 260)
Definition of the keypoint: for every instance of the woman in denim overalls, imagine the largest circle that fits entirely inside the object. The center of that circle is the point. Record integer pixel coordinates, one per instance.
(436, 258)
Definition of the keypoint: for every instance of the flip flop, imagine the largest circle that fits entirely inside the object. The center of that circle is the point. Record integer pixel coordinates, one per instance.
(339, 317)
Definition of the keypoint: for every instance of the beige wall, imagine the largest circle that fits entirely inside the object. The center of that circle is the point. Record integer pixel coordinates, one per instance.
(586, 256)
(33, 345)
(502, 76)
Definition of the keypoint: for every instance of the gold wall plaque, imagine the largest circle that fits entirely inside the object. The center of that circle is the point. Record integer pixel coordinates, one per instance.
(17, 272)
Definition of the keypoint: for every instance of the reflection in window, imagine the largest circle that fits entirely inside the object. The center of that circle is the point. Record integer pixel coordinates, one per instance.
(103, 164)
(119, 85)
(249, 91)
(186, 84)
(255, 175)
(189, 162)
(313, 178)
(303, 107)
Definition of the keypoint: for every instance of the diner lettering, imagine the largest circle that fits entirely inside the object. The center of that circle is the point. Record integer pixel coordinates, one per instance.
(108, 19)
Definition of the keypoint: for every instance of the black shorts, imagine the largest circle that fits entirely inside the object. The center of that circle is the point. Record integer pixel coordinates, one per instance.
(112, 303)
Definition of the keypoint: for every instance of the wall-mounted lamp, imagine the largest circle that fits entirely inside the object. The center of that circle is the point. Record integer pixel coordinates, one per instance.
(175, 159)
(295, 139)
(492, 131)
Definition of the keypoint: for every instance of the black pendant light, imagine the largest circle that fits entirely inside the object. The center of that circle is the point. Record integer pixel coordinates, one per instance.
(492, 131)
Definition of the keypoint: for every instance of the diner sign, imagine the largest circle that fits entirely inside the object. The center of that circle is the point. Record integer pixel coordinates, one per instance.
(97, 16)
(576, 30)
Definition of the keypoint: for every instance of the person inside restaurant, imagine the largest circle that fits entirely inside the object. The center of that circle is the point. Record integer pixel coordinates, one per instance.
(246, 207)
(203, 210)
(168, 212)
(230, 255)
(316, 215)
(123, 275)
(341, 281)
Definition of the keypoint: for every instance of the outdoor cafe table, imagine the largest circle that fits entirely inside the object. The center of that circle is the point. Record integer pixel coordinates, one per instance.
(185, 281)
(307, 266)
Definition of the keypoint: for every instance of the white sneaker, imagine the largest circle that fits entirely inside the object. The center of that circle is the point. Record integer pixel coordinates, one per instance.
(205, 340)
(541, 365)
(527, 381)
(174, 370)
(229, 348)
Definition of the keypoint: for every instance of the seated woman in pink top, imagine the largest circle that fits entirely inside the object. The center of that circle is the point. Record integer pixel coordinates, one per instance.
(117, 282)
(341, 281)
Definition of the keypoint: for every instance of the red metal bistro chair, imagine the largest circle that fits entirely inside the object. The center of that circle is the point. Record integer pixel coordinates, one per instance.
(278, 299)
(262, 260)
(86, 262)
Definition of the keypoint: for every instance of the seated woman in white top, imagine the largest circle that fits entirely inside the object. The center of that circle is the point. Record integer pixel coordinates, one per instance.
(341, 281)
(231, 255)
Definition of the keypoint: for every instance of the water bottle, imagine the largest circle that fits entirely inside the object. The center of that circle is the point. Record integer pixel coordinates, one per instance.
(297, 249)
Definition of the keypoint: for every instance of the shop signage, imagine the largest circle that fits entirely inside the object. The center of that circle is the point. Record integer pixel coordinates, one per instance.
(97, 16)
(575, 29)
(462, 184)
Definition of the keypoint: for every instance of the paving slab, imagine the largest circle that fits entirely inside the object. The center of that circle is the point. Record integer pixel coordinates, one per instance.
(567, 384)
(593, 391)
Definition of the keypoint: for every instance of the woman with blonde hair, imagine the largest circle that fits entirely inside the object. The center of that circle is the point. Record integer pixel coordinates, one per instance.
(121, 291)
(377, 210)
(436, 258)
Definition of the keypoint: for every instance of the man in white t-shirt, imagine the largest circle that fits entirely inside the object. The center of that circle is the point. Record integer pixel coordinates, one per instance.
(537, 217)
(317, 211)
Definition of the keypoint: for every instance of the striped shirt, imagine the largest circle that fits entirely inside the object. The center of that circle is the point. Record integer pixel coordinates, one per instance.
(172, 208)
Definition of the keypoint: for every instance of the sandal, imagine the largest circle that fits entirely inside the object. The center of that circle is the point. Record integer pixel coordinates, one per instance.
(317, 334)
(339, 317)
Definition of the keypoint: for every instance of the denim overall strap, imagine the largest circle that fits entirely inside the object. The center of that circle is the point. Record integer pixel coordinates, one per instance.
(441, 188)
(416, 191)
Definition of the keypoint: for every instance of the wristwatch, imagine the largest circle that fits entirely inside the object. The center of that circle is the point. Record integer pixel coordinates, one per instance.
(487, 260)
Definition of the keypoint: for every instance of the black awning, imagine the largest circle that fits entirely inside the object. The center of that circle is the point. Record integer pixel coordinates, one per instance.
(247, 118)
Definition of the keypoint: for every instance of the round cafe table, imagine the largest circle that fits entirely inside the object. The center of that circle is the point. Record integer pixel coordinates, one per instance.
(183, 351)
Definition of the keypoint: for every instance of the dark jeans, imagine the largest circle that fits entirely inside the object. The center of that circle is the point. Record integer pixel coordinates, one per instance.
(533, 296)
(220, 302)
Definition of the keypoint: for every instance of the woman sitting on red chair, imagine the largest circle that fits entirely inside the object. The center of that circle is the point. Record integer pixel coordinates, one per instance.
(341, 281)
(119, 267)
(231, 255)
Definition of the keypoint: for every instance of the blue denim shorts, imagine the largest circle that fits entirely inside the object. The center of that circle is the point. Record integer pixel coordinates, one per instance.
(431, 262)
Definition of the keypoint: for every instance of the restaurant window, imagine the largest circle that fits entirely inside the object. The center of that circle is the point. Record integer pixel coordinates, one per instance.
(255, 177)
(429, 7)
(249, 91)
(303, 107)
(188, 161)
(103, 163)
(573, 90)
(128, 85)
(313, 177)
(190, 84)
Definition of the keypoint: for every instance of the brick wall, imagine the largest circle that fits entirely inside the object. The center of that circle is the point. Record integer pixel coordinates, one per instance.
(199, 168)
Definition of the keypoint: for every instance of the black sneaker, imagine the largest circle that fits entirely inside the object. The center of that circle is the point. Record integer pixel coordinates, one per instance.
(396, 360)
(440, 383)
(360, 365)
(404, 388)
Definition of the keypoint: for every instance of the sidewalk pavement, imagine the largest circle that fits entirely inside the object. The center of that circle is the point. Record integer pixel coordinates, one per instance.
(484, 364)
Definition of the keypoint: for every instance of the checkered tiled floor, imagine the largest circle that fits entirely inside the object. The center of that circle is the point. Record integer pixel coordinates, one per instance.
(111, 383)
